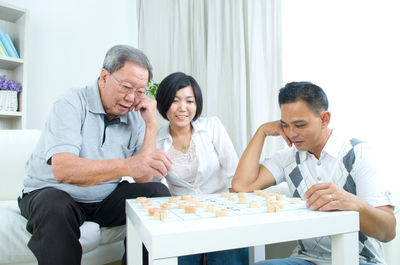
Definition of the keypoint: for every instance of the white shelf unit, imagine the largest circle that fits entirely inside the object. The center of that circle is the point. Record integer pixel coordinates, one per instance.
(14, 21)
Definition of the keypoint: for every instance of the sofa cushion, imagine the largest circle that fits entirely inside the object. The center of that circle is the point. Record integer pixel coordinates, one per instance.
(112, 234)
(14, 236)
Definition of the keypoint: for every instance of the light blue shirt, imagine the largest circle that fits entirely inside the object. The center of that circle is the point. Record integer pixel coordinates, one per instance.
(76, 125)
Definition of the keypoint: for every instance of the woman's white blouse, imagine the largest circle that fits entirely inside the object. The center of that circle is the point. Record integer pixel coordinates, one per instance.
(185, 164)
(217, 159)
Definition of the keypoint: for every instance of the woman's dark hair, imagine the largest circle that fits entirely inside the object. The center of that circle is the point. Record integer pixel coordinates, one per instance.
(168, 88)
(311, 94)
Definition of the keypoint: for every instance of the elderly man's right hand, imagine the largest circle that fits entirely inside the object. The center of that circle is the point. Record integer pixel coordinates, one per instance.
(154, 163)
(148, 109)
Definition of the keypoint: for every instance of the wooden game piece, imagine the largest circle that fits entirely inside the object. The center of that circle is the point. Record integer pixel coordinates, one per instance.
(141, 199)
(270, 203)
(173, 199)
(192, 200)
(280, 197)
(185, 197)
(233, 197)
(242, 194)
(225, 194)
(165, 206)
(257, 192)
(280, 204)
(270, 197)
(152, 211)
(295, 200)
(147, 204)
(211, 208)
(182, 205)
(254, 204)
(221, 213)
(273, 208)
(190, 209)
(160, 215)
(243, 201)
(200, 204)
(271, 200)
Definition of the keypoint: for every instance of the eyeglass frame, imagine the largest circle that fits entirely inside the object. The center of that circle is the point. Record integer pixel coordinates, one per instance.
(129, 89)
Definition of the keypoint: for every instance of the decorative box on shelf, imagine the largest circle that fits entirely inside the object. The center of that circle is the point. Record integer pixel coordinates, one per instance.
(8, 100)
(9, 94)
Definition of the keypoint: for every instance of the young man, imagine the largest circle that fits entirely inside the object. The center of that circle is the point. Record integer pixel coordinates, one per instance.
(93, 137)
(330, 172)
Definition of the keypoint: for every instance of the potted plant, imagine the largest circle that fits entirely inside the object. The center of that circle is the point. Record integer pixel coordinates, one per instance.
(152, 88)
(9, 90)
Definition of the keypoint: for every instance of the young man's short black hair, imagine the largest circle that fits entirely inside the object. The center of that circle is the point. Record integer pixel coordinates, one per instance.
(168, 87)
(311, 94)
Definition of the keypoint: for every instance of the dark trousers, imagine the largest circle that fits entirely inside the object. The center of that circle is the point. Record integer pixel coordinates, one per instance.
(54, 219)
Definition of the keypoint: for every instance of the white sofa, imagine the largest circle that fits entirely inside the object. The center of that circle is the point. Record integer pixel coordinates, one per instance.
(281, 250)
(100, 245)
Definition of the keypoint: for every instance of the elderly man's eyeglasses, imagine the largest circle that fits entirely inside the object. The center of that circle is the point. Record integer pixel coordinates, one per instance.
(128, 89)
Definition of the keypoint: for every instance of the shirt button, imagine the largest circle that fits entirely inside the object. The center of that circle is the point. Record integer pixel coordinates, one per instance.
(319, 163)
(319, 178)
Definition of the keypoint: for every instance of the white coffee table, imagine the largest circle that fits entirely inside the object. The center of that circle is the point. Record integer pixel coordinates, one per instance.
(166, 240)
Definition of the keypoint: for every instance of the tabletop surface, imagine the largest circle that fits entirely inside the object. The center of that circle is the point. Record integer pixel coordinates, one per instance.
(243, 226)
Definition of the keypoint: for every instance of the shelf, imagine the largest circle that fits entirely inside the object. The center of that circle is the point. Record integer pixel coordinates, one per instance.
(10, 63)
(10, 13)
(10, 114)
(14, 21)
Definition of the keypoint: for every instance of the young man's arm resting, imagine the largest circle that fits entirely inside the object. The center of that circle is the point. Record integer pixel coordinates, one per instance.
(250, 175)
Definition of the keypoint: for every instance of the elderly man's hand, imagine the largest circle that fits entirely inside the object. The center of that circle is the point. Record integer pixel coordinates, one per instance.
(147, 108)
(154, 163)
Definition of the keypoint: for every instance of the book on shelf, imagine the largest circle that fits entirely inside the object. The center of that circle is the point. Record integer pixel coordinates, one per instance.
(3, 49)
(15, 53)
(8, 44)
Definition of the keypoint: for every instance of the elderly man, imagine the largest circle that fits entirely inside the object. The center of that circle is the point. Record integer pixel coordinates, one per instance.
(94, 136)
(329, 171)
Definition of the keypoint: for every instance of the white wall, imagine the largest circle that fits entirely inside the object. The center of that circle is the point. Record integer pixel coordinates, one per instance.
(67, 43)
(352, 50)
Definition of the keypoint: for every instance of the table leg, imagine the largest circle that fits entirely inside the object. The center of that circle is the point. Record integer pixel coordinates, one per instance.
(257, 253)
(134, 245)
(345, 249)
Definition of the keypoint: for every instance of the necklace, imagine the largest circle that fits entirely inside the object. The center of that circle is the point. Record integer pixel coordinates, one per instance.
(182, 141)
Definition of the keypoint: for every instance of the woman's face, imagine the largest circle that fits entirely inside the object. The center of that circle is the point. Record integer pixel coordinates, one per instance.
(183, 108)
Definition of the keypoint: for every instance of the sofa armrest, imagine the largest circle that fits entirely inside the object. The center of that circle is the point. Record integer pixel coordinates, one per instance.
(16, 148)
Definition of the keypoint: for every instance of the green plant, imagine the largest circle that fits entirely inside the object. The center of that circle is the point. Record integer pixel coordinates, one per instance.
(152, 88)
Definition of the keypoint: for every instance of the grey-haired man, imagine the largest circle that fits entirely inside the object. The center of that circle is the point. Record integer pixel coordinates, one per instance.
(93, 137)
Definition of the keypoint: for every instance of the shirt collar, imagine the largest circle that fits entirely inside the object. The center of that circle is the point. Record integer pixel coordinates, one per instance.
(198, 126)
(163, 132)
(95, 104)
(332, 146)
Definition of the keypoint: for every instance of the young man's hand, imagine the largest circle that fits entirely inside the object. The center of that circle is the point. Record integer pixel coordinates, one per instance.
(274, 128)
